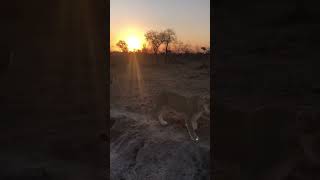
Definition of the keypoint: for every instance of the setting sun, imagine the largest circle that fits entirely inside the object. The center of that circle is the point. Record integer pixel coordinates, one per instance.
(133, 35)
(133, 43)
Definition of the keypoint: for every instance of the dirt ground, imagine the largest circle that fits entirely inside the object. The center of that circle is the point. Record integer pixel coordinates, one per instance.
(136, 82)
(140, 147)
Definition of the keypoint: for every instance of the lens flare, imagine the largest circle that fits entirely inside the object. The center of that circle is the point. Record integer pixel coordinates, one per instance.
(133, 43)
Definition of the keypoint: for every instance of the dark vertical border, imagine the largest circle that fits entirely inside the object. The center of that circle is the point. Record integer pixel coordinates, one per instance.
(212, 51)
(107, 70)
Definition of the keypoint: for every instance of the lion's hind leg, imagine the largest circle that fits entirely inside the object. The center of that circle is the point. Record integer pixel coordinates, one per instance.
(191, 131)
(194, 120)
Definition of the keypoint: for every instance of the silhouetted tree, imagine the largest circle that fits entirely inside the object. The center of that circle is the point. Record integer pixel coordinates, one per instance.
(186, 48)
(167, 36)
(178, 47)
(154, 39)
(144, 48)
(123, 45)
(181, 48)
(204, 49)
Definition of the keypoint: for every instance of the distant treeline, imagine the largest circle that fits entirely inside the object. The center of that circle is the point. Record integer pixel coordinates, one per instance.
(161, 53)
(164, 42)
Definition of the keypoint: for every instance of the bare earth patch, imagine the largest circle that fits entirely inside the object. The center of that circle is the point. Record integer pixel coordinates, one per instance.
(140, 147)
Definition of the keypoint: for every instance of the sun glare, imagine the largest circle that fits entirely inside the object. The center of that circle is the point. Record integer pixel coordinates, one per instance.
(133, 43)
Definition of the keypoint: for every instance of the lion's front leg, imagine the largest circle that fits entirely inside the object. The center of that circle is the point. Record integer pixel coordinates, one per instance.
(157, 113)
(190, 129)
(194, 120)
(161, 120)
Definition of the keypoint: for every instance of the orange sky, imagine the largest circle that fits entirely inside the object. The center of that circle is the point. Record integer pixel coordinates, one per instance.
(130, 19)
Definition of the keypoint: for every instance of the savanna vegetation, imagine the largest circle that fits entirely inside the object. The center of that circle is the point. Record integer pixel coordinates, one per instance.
(162, 46)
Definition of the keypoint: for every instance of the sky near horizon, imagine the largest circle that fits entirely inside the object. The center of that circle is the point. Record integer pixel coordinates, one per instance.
(190, 19)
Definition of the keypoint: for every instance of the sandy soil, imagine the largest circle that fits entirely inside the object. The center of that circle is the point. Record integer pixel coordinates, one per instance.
(140, 147)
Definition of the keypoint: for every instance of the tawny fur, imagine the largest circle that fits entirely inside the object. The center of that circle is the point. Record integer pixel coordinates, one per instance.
(192, 107)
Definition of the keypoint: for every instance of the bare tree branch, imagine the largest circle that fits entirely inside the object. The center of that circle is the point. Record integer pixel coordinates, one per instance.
(154, 39)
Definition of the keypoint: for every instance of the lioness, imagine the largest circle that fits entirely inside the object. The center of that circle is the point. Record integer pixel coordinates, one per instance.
(193, 107)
